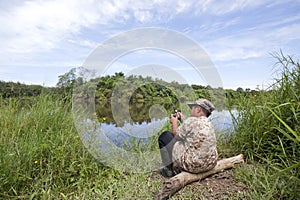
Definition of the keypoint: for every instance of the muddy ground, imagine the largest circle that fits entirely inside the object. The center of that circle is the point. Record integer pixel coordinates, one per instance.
(218, 186)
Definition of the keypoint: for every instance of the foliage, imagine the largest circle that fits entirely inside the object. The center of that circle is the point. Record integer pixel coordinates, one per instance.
(143, 92)
(266, 183)
(47, 160)
(148, 90)
(10, 89)
(269, 125)
(42, 157)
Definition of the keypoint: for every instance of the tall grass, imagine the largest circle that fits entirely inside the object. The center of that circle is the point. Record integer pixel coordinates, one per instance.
(42, 157)
(268, 130)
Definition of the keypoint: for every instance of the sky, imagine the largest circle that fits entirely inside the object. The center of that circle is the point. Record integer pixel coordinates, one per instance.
(41, 40)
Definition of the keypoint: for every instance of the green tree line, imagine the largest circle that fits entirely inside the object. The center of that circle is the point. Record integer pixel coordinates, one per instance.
(148, 89)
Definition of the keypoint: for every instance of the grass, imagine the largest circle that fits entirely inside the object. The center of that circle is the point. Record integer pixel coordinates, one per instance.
(268, 134)
(42, 155)
(264, 182)
(44, 158)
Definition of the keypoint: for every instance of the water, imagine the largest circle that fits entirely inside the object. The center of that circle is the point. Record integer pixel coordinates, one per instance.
(134, 146)
(223, 122)
(143, 132)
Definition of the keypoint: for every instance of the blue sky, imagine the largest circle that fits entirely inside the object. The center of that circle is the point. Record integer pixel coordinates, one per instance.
(41, 40)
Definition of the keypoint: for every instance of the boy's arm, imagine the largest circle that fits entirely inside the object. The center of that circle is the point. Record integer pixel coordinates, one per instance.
(174, 123)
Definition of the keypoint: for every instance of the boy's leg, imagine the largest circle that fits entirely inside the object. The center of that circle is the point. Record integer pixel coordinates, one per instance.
(166, 142)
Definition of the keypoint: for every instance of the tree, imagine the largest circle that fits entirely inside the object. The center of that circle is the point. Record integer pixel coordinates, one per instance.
(240, 90)
(67, 80)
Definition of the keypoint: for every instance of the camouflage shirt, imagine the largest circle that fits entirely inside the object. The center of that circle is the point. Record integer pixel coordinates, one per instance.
(196, 150)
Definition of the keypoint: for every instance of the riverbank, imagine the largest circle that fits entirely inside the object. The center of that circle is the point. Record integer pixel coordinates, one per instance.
(43, 157)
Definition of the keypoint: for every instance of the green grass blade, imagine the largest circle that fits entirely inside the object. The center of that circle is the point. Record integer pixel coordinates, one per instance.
(287, 126)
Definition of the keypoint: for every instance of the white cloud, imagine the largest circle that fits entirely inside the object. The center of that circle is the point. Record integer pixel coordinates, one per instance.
(236, 48)
(216, 7)
(42, 25)
(62, 31)
(31, 28)
(183, 6)
(143, 16)
(285, 33)
(84, 43)
(254, 41)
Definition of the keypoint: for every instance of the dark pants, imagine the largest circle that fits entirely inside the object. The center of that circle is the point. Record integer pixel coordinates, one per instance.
(166, 142)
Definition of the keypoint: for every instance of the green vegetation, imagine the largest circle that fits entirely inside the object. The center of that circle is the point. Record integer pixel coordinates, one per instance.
(267, 132)
(10, 89)
(42, 155)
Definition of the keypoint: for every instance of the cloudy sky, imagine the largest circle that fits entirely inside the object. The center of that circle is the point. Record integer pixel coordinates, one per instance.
(41, 40)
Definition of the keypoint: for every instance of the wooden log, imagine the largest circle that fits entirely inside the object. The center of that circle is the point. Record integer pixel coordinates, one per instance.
(174, 184)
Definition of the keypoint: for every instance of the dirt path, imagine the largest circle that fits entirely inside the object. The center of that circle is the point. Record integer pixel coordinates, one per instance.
(219, 186)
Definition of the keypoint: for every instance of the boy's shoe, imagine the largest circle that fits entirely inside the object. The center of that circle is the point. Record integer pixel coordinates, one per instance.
(177, 170)
(166, 172)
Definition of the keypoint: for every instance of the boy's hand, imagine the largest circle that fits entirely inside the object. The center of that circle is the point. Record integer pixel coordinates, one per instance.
(180, 116)
(173, 119)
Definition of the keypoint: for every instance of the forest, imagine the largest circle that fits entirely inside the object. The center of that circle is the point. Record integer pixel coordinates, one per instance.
(149, 90)
(140, 92)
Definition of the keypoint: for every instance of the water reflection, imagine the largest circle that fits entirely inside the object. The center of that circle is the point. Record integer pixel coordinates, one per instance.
(223, 121)
(134, 143)
(138, 132)
(139, 112)
(143, 132)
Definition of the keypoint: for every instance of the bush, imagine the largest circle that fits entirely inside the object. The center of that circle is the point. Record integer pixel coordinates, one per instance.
(268, 126)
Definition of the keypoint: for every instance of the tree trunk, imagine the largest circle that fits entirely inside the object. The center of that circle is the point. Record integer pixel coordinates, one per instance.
(174, 184)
